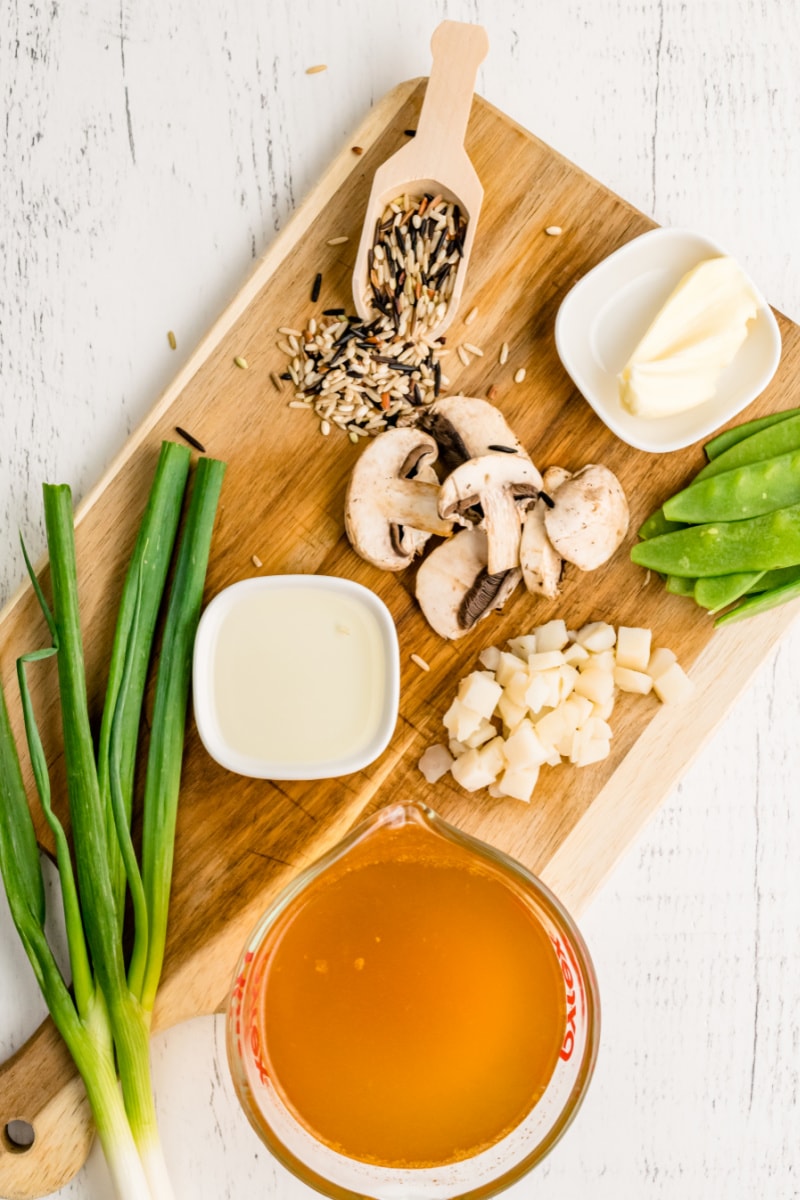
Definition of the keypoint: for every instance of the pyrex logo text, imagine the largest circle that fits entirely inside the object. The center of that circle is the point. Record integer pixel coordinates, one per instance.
(568, 1045)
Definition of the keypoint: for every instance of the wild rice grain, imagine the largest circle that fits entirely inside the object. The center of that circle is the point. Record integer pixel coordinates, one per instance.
(357, 149)
(316, 287)
(187, 437)
(520, 375)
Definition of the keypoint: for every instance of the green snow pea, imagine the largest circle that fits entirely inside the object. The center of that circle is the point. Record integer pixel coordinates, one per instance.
(718, 591)
(726, 548)
(763, 602)
(678, 586)
(657, 523)
(731, 437)
(748, 491)
(775, 579)
(776, 439)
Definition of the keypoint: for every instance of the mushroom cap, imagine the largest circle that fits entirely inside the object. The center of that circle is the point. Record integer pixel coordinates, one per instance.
(385, 499)
(540, 562)
(467, 427)
(454, 588)
(496, 482)
(589, 517)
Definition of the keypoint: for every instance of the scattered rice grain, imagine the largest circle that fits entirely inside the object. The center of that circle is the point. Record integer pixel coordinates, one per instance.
(423, 666)
(315, 70)
(462, 354)
(503, 357)
(172, 340)
(520, 375)
(240, 362)
(325, 427)
(476, 350)
(353, 436)
(256, 561)
(471, 315)
(357, 149)
(276, 382)
(338, 241)
(553, 230)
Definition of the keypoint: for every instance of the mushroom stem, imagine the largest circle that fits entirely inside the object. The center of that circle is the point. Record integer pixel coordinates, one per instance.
(414, 503)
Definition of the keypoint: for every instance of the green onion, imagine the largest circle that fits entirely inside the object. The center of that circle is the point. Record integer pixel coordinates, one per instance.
(106, 1026)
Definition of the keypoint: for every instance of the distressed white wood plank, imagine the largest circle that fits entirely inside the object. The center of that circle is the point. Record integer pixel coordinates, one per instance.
(149, 152)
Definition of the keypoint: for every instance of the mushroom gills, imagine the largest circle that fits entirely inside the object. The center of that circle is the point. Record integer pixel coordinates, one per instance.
(466, 427)
(453, 584)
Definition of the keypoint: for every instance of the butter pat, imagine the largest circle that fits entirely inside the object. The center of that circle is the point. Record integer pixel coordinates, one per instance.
(693, 338)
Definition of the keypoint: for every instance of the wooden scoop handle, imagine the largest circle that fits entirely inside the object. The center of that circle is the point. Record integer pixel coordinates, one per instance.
(458, 50)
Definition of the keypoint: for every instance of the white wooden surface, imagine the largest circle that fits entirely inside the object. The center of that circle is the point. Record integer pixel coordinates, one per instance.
(149, 152)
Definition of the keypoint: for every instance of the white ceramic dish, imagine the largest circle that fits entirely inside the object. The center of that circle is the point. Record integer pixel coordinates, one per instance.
(607, 312)
(276, 653)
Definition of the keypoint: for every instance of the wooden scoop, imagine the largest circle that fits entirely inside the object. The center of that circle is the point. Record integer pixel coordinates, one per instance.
(435, 160)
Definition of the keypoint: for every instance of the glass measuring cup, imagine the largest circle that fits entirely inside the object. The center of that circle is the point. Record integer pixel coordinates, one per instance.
(492, 1167)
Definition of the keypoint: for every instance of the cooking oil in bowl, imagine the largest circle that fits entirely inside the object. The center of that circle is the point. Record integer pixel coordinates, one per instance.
(404, 1010)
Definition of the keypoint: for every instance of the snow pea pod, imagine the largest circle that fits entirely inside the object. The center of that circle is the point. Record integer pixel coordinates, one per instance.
(775, 579)
(726, 548)
(718, 591)
(748, 491)
(731, 437)
(677, 586)
(657, 523)
(776, 439)
(763, 602)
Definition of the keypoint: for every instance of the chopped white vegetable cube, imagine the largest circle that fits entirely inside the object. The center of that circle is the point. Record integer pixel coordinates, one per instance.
(516, 688)
(524, 747)
(435, 763)
(511, 713)
(605, 709)
(673, 686)
(461, 721)
(484, 733)
(496, 792)
(457, 748)
(596, 727)
(471, 773)
(506, 668)
(596, 636)
(633, 647)
(480, 693)
(567, 678)
(540, 690)
(519, 782)
(578, 710)
(546, 661)
(594, 751)
(597, 686)
(552, 636)
(523, 646)
(632, 681)
(492, 756)
(489, 658)
(660, 660)
(603, 660)
(575, 654)
(554, 726)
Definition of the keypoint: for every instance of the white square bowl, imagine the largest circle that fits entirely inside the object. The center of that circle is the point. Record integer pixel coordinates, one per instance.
(605, 315)
(364, 606)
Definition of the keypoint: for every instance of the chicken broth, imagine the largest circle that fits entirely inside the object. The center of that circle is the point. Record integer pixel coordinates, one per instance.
(411, 1007)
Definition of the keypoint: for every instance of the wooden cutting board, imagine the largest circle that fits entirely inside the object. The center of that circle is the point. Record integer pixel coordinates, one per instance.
(240, 840)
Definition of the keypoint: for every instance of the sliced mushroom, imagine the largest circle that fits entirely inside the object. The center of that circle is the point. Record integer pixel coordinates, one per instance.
(553, 478)
(466, 427)
(454, 588)
(390, 514)
(541, 563)
(496, 482)
(589, 517)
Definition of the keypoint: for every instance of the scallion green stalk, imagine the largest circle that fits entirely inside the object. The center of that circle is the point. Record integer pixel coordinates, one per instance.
(106, 1026)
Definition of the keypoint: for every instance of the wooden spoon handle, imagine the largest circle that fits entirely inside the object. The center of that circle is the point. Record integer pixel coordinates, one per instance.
(458, 50)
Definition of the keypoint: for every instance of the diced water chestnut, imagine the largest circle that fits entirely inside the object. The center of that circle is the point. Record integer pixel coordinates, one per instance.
(633, 647)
